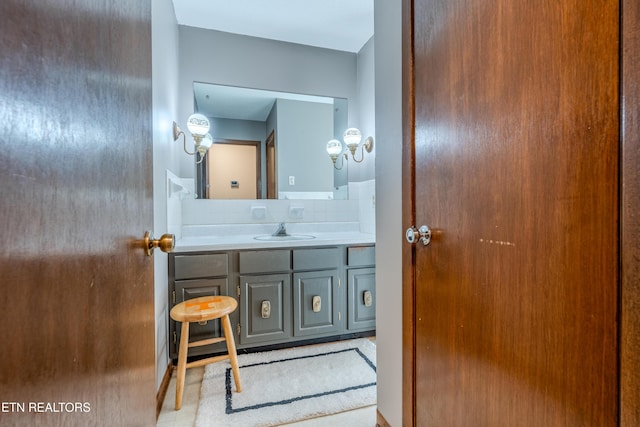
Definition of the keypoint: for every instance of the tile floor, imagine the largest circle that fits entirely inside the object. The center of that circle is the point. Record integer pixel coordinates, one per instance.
(185, 417)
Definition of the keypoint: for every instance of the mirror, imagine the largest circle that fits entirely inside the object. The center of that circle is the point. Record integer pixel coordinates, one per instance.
(269, 144)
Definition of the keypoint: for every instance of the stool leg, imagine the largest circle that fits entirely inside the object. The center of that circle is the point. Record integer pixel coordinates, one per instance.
(231, 349)
(182, 363)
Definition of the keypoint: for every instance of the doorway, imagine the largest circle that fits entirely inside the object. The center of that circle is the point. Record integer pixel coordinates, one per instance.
(272, 170)
(234, 170)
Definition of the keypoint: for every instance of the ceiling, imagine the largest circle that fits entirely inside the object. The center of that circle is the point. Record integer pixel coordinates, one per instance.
(344, 25)
(229, 102)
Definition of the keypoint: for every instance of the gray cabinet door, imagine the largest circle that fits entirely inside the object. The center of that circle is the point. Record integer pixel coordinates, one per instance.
(187, 289)
(265, 308)
(361, 300)
(316, 303)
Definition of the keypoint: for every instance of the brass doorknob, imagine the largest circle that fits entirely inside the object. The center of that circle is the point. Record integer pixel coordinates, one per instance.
(166, 243)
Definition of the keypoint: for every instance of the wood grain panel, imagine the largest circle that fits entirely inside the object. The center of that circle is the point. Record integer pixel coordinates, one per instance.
(630, 219)
(516, 158)
(77, 295)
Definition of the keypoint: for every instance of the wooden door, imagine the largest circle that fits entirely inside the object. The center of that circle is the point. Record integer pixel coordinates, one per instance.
(512, 125)
(76, 174)
(629, 218)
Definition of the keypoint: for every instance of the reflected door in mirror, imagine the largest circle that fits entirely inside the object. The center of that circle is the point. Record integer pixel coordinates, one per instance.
(272, 186)
(234, 170)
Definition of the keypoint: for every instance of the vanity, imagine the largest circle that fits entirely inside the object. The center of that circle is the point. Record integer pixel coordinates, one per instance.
(308, 287)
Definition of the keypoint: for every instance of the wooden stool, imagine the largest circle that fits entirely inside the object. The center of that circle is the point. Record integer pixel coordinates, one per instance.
(199, 310)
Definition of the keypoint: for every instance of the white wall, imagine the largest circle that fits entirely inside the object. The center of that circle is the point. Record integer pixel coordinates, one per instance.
(365, 112)
(362, 182)
(165, 100)
(302, 133)
(388, 101)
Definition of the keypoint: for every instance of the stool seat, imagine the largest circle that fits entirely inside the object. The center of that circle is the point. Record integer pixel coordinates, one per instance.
(203, 309)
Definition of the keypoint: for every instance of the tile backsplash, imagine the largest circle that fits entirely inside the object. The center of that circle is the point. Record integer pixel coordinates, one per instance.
(360, 208)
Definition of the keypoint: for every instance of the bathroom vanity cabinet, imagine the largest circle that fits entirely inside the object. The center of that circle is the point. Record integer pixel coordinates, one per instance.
(192, 276)
(285, 295)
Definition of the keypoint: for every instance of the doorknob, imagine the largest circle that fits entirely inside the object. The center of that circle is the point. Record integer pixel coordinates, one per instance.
(422, 235)
(166, 243)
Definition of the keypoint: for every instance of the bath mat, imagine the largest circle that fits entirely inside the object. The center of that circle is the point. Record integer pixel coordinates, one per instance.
(284, 386)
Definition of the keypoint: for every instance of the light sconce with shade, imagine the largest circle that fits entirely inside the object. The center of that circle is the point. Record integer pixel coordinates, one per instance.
(198, 126)
(353, 139)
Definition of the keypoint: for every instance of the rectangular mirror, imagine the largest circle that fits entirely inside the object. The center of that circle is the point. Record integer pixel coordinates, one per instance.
(269, 144)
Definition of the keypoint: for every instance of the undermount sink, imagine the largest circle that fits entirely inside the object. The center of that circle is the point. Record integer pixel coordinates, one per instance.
(280, 238)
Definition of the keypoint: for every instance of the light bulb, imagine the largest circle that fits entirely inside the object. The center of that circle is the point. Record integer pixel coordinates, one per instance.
(334, 147)
(198, 125)
(206, 141)
(352, 138)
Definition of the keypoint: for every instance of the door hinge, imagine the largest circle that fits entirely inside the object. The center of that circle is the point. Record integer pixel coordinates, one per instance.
(339, 316)
(173, 297)
(175, 337)
(339, 282)
(238, 329)
(238, 290)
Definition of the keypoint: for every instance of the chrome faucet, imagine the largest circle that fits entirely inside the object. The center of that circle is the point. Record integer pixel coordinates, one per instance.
(281, 231)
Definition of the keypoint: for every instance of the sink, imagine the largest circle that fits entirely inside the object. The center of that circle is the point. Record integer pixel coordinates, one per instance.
(285, 237)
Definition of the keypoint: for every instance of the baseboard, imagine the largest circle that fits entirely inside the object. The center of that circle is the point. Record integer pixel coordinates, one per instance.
(381, 422)
(162, 391)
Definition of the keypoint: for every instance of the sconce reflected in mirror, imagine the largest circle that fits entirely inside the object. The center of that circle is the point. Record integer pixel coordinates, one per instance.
(198, 126)
(352, 138)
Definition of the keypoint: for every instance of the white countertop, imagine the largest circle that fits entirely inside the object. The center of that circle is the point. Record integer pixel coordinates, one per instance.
(222, 238)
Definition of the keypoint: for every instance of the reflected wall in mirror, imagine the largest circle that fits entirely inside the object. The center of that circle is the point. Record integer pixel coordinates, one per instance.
(269, 144)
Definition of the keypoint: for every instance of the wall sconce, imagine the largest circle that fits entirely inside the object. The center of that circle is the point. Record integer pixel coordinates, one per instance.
(352, 138)
(198, 125)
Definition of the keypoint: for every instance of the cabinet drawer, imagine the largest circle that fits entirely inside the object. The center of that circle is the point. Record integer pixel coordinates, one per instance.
(205, 265)
(264, 261)
(361, 255)
(315, 259)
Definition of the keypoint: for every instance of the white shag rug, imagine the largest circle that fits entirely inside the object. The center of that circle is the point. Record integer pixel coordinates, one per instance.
(284, 386)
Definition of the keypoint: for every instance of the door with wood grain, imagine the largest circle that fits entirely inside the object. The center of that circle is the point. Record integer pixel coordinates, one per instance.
(512, 128)
(77, 306)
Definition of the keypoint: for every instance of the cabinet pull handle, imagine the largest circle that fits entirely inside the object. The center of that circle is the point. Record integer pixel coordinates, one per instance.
(368, 298)
(316, 304)
(265, 309)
